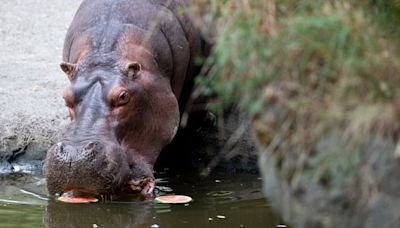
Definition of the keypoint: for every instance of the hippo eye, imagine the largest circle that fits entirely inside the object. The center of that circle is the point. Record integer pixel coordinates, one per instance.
(123, 98)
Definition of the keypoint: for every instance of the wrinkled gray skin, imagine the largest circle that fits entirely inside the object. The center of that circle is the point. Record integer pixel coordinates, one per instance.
(130, 63)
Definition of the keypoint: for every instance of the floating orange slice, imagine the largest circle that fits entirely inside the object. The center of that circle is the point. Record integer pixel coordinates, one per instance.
(77, 199)
(174, 199)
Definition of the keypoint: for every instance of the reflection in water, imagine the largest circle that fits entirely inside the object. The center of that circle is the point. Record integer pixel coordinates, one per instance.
(229, 202)
(102, 215)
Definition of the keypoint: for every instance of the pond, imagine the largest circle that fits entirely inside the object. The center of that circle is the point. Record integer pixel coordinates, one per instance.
(220, 200)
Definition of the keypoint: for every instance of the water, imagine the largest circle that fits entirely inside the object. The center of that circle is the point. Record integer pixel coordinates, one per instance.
(219, 201)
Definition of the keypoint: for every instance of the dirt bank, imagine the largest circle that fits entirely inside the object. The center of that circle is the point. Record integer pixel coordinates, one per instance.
(32, 111)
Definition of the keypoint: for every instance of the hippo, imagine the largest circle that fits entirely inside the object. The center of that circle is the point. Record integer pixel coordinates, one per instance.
(131, 66)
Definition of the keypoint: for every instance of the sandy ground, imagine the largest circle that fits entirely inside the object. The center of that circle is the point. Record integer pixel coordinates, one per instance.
(32, 112)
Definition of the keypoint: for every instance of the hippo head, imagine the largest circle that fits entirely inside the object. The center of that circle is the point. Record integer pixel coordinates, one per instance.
(123, 112)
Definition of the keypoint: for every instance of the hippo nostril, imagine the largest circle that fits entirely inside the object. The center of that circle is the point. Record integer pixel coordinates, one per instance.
(60, 146)
(91, 146)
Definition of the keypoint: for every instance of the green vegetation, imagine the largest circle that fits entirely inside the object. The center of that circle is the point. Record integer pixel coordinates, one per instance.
(308, 71)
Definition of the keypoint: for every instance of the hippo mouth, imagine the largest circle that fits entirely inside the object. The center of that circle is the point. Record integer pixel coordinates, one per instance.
(144, 187)
(96, 171)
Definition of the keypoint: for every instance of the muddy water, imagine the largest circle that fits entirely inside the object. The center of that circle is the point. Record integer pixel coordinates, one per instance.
(219, 201)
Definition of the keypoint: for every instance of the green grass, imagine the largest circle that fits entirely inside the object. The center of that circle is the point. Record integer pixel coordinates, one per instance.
(326, 66)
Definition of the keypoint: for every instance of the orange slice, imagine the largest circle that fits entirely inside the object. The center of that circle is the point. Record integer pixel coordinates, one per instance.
(174, 199)
(77, 199)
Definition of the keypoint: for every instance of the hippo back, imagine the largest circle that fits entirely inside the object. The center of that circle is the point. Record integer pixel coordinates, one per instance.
(162, 26)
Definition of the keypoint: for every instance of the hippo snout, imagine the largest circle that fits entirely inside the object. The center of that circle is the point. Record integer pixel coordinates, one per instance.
(68, 153)
(92, 167)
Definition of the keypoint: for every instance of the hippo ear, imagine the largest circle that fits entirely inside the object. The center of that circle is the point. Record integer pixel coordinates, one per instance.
(69, 69)
(132, 69)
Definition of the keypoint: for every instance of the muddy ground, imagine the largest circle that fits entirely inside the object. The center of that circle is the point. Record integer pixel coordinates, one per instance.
(32, 112)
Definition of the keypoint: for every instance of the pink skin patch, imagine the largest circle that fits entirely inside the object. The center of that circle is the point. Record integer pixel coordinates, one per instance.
(145, 186)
